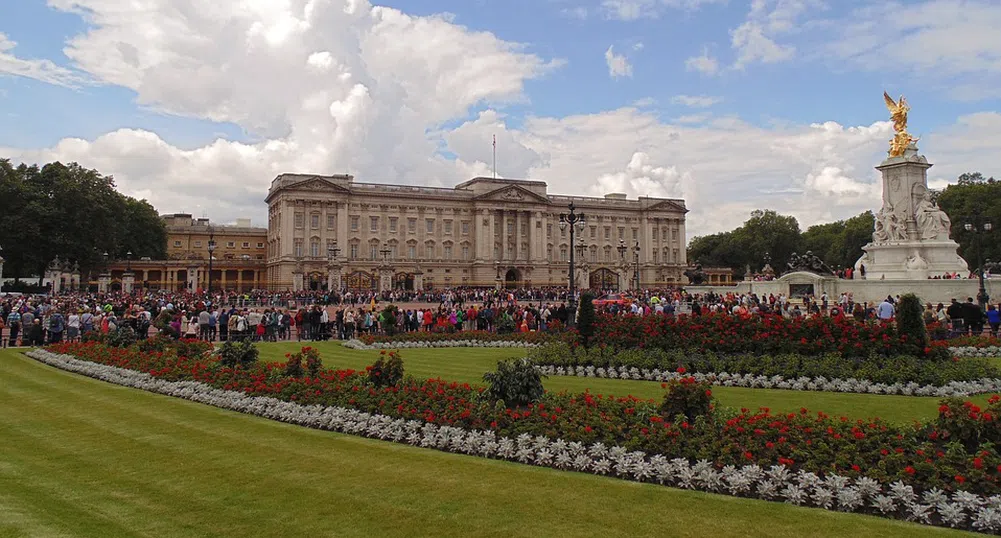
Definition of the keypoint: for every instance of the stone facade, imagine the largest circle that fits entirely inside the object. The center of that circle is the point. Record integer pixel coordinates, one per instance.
(481, 233)
(238, 263)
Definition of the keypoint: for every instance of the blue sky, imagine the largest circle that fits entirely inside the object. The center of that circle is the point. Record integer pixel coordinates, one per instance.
(552, 77)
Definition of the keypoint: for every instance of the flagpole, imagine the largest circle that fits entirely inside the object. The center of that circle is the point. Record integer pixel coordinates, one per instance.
(495, 156)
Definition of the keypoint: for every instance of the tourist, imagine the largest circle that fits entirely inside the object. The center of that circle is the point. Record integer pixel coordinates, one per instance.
(994, 319)
(885, 310)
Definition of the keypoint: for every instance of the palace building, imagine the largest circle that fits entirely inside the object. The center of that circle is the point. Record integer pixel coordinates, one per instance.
(331, 232)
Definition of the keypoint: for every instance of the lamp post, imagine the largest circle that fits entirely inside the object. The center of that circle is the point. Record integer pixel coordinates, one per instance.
(211, 251)
(582, 264)
(128, 261)
(574, 220)
(385, 251)
(622, 248)
(979, 225)
(636, 268)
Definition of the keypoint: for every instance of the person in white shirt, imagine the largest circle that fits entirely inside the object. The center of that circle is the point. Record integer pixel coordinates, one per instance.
(73, 327)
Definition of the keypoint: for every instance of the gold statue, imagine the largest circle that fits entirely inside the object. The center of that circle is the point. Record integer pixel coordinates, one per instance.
(898, 113)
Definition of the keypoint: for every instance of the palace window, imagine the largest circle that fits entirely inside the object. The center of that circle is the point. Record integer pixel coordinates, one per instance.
(260, 245)
(198, 243)
(373, 251)
(448, 252)
(177, 244)
(549, 252)
(354, 223)
(392, 224)
(608, 253)
(563, 253)
(465, 252)
(231, 244)
(354, 251)
(594, 254)
(674, 256)
(636, 234)
(314, 221)
(594, 231)
(412, 225)
(246, 244)
(465, 227)
(299, 220)
(412, 251)
(429, 252)
(374, 221)
(298, 248)
(510, 227)
(448, 227)
(608, 233)
(667, 257)
(429, 225)
(331, 222)
(653, 233)
(622, 233)
(674, 234)
(314, 248)
(549, 231)
(524, 228)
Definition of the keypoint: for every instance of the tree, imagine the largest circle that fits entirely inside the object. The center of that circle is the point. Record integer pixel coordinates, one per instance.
(840, 243)
(766, 231)
(73, 213)
(973, 195)
(586, 319)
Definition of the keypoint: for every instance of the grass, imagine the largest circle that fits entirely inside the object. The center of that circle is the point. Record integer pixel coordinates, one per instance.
(469, 364)
(81, 457)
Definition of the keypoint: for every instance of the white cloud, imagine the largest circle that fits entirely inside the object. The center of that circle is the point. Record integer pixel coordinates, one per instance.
(344, 87)
(618, 65)
(705, 64)
(43, 70)
(755, 39)
(696, 101)
(628, 10)
(644, 102)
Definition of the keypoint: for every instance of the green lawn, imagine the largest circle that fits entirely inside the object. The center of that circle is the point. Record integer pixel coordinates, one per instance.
(469, 364)
(80, 457)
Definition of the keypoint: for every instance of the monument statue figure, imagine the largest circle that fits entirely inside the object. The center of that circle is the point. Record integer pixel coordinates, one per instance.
(898, 113)
(932, 222)
(889, 226)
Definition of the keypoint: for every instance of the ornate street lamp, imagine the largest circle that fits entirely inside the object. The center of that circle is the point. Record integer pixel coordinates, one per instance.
(385, 251)
(128, 261)
(636, 260)
(576, 222)
(211, 256)
(979, 225)
(622, 248)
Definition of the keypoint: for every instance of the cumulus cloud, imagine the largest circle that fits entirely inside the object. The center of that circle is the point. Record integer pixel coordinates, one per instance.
(43, 70)
(696, 101)
(338, 86)
(628, 10)
(618, 65)
(704, 63)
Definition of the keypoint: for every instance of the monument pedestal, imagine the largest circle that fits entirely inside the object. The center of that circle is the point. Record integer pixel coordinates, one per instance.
(911, 238)
(911, 260)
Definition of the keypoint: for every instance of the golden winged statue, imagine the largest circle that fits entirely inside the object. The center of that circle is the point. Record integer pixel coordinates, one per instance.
(898, 113)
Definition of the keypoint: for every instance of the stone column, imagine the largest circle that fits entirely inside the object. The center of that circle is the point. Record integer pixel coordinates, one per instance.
(128, 281)
(682, 253)
(385, 278)
(103, 283)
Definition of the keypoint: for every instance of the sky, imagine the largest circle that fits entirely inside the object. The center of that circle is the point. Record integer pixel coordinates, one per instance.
(731, 105)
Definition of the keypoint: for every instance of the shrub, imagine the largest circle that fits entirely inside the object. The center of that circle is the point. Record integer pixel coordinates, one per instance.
(92, 336)
(585, 320)
(911, 325)
(193, 348)
(505, 325)
(687, 397)
(242, 354)
(293, 365)
(122, 336)
(313, 362)
(387, 371)
(159, 343)
(966, 423)
(517, 382)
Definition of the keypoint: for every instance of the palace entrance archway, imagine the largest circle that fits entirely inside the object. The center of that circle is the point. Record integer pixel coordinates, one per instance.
(604, 279)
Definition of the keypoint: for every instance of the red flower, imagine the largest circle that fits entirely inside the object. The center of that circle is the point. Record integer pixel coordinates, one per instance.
(943, 408)
(748, 455)
(681, 370)
(978, 463)
(909, 470)
(960, 478)
(856, 468)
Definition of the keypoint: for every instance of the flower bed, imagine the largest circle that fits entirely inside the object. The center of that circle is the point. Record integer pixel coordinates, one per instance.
(424, 344)
(976, 351)
(760, 335)
(955, 501)
(725, 379)
(860, 374)
(534, 337)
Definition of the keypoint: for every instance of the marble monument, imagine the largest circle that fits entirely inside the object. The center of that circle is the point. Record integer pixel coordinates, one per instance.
(911, 236)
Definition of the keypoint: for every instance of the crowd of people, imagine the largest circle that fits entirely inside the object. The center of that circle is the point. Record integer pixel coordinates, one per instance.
(272, 316)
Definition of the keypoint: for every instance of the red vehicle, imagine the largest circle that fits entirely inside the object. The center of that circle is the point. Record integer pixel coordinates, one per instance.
(612, 298)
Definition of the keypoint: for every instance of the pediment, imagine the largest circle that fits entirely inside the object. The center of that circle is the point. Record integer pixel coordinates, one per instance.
(512, 193)
(668, 205)
(317, 183)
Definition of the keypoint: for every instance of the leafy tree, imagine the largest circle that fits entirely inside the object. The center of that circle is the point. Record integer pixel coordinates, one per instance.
(840, 243)
(911, 323)
(585, 321)
(766, 231)
(74, 213)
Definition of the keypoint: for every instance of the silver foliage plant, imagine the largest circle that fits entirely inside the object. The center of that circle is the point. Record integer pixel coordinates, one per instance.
(724, 379)
(358, 344)
(778, 483)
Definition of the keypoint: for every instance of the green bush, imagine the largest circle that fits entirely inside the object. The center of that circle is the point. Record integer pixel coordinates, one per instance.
(389, 320)
(505, 325)
(585, 321)
(241, 354)
(517, 382)
(911, 323)
(159, 343)
(122, 336)
(687, 397)
(387, 371)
